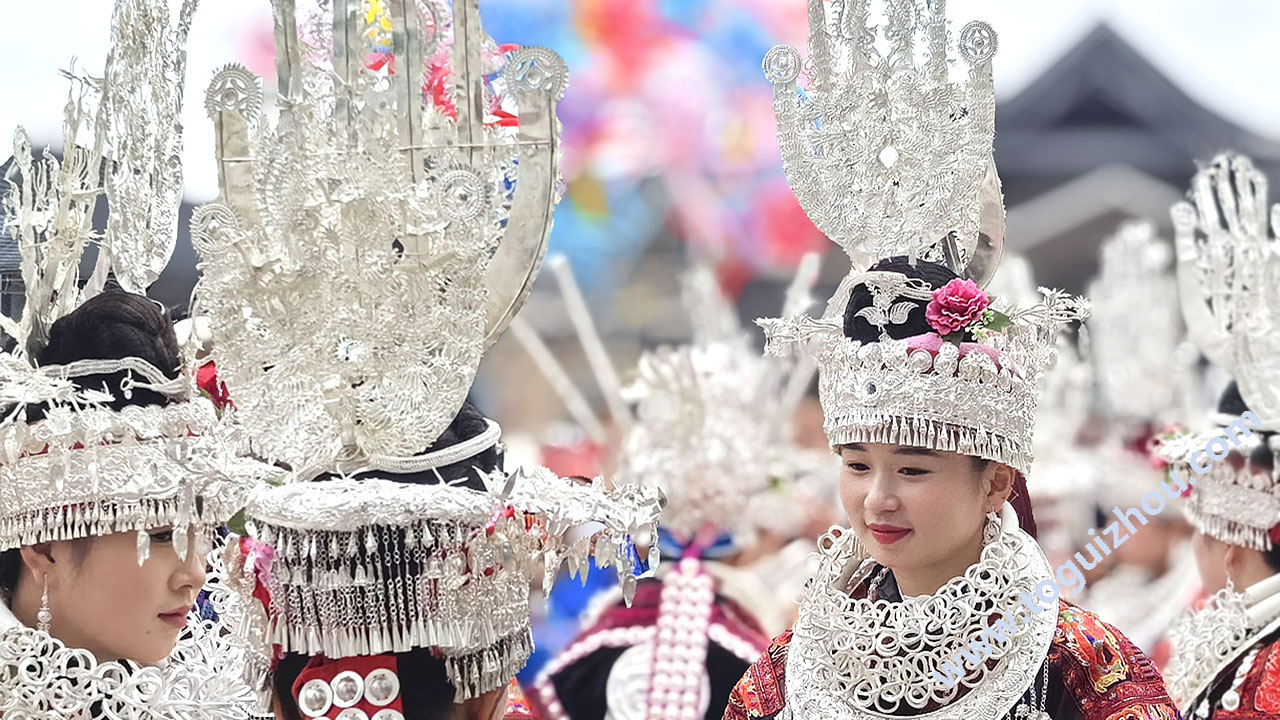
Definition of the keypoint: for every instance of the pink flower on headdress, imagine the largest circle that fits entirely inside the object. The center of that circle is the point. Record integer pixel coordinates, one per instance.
(955, 306)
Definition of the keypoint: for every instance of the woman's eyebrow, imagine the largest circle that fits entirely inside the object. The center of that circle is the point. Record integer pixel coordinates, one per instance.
(915, 452)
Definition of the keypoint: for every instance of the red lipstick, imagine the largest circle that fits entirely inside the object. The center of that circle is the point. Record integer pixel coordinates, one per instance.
(888, 534)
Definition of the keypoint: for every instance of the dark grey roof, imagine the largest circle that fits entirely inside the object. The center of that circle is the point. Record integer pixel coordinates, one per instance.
(1104, 103)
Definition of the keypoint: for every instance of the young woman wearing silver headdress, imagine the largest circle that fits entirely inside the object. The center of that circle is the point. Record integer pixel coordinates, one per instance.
(704, 422)
(1226, 661)
(936, 602)
(365, 251)
(113, 475)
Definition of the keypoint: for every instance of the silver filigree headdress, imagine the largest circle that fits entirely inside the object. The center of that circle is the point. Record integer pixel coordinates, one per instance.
(710, 416)
(365, 251)
(367, 248)
(891, 158)
(1135, 340)
(704, 421)
(85, 469)
(1228, 269)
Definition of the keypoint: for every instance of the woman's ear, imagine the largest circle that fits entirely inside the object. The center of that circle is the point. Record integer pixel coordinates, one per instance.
(1000, 480)
(1231, 562)
(38, 560)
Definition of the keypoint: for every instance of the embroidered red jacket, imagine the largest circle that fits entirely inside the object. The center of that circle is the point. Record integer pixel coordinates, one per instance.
(1095, 673)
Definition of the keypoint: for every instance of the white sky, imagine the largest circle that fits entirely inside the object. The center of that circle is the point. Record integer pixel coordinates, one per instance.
(1222, 53)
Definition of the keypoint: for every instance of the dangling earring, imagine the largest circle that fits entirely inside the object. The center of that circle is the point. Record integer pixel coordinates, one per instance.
(990, 528)
(44, 618)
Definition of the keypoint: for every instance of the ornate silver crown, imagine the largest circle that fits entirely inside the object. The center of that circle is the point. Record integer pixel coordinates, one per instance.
(891, 158)
(1228, 267)
(85, 469)
(704, 421)
(710, 416)
(365, 251)
(1143, 363)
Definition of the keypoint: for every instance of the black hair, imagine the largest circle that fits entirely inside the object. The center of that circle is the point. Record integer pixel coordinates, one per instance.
(1231, 402)
(1263, 459)
(424, 687)
(114, 325)
(860, 298)
(429, 696)
(109, 326)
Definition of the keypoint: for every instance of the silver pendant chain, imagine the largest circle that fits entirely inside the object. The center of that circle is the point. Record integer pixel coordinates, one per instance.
(1028, 710)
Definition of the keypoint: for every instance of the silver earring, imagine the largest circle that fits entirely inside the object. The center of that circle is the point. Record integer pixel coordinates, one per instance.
(990, 528)
(44, 618)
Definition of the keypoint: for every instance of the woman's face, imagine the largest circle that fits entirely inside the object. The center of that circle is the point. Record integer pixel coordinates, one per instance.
(919, 512)
(104, 602)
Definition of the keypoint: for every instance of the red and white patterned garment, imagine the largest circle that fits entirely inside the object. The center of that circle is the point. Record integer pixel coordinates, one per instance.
(1257, 689)
(574, 685)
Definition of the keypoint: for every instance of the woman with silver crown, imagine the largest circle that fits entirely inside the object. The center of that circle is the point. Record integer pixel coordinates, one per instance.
(936, 602)
(113, 475)
(364, 253)
(1226, 661)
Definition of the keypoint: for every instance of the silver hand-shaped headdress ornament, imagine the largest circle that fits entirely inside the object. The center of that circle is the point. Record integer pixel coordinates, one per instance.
(1228, 262)
(889, 157)
(1136, 339)
(368, 247)
(1228, 265)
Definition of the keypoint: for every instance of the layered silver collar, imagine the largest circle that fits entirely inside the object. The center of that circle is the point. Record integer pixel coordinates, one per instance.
(873, 659)
(1207, 642)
